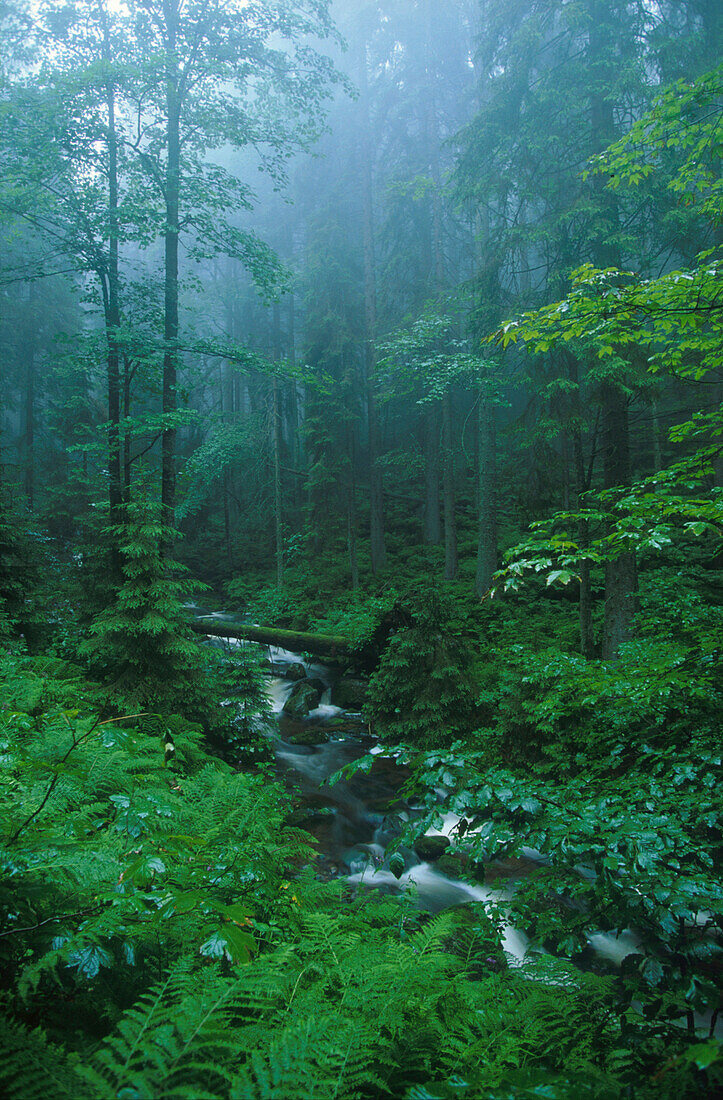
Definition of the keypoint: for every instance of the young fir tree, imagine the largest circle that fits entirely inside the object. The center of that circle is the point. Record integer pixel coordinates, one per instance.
(143, 638)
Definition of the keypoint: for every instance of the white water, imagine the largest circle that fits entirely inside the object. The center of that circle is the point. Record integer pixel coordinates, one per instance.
(434, 890)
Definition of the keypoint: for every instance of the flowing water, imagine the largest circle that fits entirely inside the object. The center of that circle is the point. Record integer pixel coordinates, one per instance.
(356, 820)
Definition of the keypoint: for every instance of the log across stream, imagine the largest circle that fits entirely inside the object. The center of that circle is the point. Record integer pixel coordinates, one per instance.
(355, 821)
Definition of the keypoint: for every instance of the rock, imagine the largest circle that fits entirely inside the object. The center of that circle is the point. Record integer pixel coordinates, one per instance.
(295, 672)
(307, 735)
(304, 696)
(349, 694)
(318, 684)
(453, 864)
(511, 867)
(431, 848)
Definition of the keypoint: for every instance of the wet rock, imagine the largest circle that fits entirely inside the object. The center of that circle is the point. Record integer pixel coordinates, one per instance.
(510, 867)
(318, 684)
(431, 848)
(454, 864)
(295, 672)
(349, 694)
(304, 696)
(307, 735)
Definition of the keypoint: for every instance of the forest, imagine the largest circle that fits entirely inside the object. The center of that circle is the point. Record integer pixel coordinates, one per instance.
(361, 504)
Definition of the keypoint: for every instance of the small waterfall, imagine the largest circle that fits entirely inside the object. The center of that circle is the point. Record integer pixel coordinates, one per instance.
(354, 826)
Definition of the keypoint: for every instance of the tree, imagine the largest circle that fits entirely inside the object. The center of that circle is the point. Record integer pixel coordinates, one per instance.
(221, 73)
(677, 316)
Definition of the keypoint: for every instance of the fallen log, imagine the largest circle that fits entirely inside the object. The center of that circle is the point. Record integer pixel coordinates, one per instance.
(321, 645)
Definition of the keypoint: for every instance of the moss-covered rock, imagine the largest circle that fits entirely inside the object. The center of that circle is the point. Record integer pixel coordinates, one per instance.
(304, 697)
(431, 848)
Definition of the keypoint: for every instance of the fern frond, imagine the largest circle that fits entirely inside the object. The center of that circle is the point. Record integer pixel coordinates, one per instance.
(174, 1044)
(32, 1069)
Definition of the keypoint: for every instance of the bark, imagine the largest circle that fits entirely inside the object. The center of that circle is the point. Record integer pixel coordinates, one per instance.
(278, 513)
(171, 237)
(29, 435)
(621, 574)
(127, 376)
(587, 643)
(487, 480)
(376, 500)
(323, 645)
(583, 479)
(450, 527)
(718, 460)
(113, 320)
(621, 580)
(351, 515)
(432, 512)
(276, 432)
(657, 436)
(297, 453)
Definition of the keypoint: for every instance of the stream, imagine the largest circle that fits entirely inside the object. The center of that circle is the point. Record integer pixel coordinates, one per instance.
(356, 820)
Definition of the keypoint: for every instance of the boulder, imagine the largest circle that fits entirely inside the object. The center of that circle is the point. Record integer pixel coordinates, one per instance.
(307, 734)
(453, 864)
(349, 694)
(295, 672)
(431, 848)
(303, 697)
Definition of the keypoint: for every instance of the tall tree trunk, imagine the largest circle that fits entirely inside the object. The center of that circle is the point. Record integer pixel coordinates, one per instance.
(487, 479)
(621, 580)
(621, 574)
(351, 518)
(583, 478)
(297, 449)
(450, 525)
(657, 435)
(376, 499)
(113, 320)
(432, 510)
(278, 513)
(127, 376)
(276, 429)
(29, 433)
(171, 240)
(587, 643)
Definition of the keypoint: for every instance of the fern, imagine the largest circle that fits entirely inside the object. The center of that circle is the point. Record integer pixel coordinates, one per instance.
(172, 1045)
(31, 1069)
(318, 1058)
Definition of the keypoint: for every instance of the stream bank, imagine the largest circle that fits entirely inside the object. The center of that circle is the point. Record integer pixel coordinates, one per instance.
(357, 822)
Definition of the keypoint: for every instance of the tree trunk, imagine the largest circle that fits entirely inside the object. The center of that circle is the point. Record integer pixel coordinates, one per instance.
(297, 451)
(172, 230)
(621, 581)
(583, 479)
(278, 513)
(376, 499)
(29, 435)
(127, 375)
(276, 433)
(432, 511)
(323, 645)
(587, 642)
(487, 480)
(113, 320)
(351, 513)
(450, 524)
(621, 574)
(657, 436)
